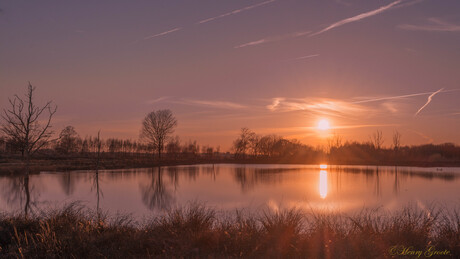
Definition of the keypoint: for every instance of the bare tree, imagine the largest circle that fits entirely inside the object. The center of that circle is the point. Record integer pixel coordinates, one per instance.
(68, 140)
(24, 124)
(334, 142)
(377, 139)
(156, 128)
(173, 148)
(244, 142)
(396, 140)
(98, 144)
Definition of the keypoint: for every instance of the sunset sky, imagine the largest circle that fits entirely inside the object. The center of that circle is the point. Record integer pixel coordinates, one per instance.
(276, 66)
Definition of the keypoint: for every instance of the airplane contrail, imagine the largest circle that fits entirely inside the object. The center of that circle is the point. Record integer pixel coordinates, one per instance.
(235, 11)
(403, 96)
(210, 19)
(358, 17)
(391, 97)
(162, 33)
(303, 57)
(355, 18)
(428, 101)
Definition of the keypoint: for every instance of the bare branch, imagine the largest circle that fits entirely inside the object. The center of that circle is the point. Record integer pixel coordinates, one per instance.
(22, 124)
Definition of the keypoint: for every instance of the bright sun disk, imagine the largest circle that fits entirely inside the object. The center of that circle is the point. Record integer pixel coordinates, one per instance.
(324, 124)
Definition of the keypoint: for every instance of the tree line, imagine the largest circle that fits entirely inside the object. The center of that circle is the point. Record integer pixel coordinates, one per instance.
(252, 146)
(69, 143)
(26, 129)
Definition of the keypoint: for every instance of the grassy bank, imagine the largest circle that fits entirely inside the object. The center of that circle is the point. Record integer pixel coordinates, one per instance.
(195, 231)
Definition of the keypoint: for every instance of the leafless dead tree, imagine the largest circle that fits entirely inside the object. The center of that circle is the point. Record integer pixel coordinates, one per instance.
(396, 140)
(377, 139)
(24, 125)
(156, 128)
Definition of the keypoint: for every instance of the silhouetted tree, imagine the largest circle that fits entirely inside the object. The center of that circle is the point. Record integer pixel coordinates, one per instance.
(191, 149)
(98, 145)
(377, 139)
(207, 151)
(396, 140)
(68, 140)
(2, 144)
(84, 146)
(156, 128)
(267, 144)
(24, 125)
(244, 143)
(173, 147)
(334, 142)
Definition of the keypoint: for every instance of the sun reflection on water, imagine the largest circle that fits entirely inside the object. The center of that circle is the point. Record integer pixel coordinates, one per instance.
(323, 184)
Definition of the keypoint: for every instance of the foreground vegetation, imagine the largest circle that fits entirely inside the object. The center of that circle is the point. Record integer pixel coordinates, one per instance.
(196, 231)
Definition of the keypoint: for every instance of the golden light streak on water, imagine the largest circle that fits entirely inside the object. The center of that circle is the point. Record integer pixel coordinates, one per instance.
(323, 184)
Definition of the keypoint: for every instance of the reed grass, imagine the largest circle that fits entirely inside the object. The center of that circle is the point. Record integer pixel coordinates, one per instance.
(194, 231)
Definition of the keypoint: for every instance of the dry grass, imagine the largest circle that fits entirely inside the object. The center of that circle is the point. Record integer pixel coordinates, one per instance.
(194, 231)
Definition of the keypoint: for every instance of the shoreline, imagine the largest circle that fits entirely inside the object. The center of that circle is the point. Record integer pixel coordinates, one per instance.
(16, 166)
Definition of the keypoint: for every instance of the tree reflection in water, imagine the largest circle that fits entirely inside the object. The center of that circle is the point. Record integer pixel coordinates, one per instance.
(17, 190)
(377, 182)
(249, 178)
(396, 183)
(157, 194)
(67, 181)
(99, 192)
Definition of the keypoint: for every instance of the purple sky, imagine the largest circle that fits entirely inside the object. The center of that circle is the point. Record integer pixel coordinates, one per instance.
(275, 66)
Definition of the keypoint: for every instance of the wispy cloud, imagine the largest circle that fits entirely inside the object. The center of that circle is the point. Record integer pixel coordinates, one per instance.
(275, 104)
(326, 107)
(235, 12)
(435, 25)
(273, 39)
(162, 33)
(430, 139)
(428, 101)
(214, 104)
(343, 108)
(358, 17)
(363, 126)
(390, 106)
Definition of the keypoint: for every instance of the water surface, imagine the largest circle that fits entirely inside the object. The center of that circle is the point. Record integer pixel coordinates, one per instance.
(226, 187)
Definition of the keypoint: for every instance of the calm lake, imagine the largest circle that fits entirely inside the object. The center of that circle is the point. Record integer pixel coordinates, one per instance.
(226, 187)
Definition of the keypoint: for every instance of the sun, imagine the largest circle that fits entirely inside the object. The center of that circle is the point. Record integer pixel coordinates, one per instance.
(323, 124)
